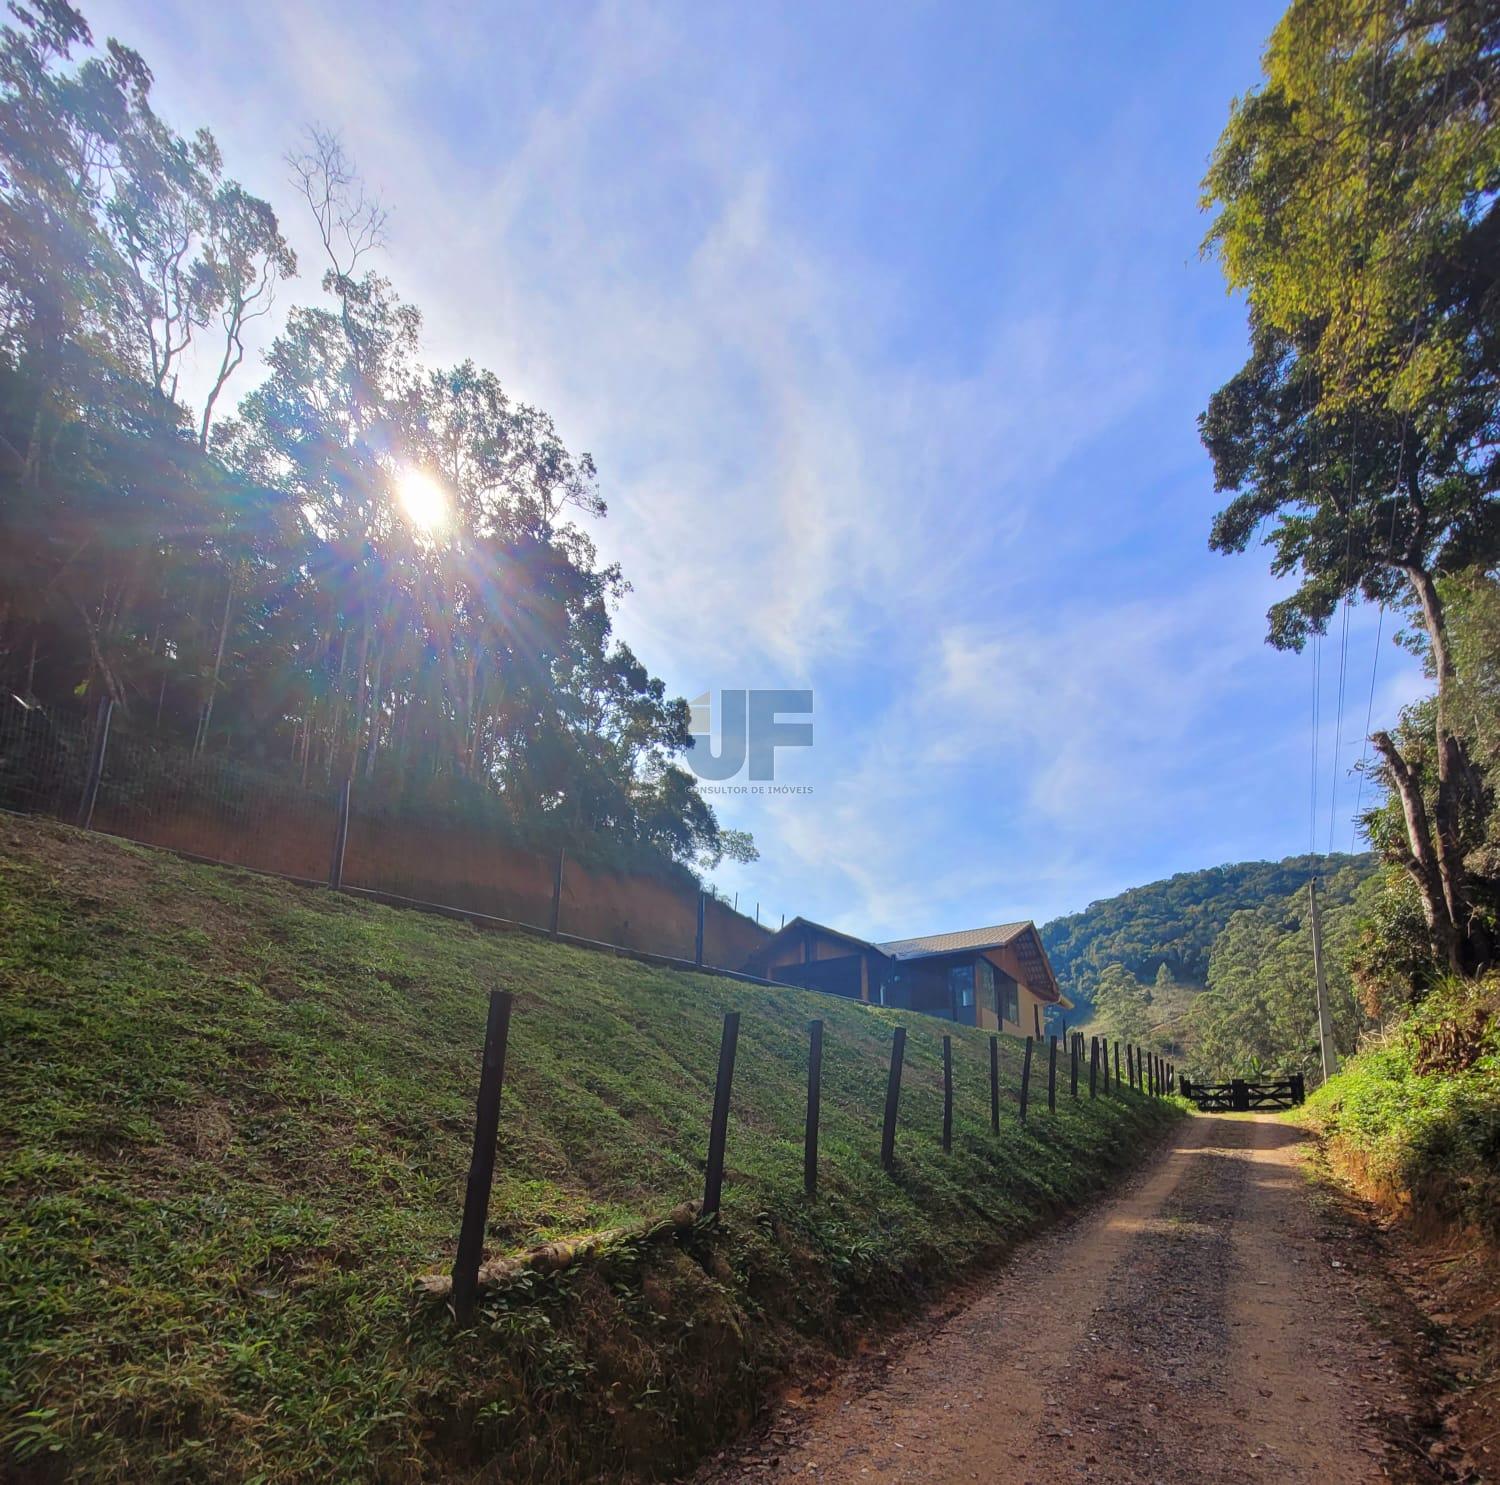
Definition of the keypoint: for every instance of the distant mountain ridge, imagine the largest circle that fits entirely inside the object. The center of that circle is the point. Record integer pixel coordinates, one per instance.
(1174, 921)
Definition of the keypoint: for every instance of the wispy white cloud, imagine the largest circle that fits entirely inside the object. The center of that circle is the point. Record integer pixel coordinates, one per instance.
(939, 544)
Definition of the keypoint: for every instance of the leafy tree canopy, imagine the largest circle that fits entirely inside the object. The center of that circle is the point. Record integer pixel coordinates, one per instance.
(371, 567)
(1354, 196)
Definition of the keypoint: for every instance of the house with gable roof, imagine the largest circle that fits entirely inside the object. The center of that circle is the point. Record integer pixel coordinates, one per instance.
(996, 977)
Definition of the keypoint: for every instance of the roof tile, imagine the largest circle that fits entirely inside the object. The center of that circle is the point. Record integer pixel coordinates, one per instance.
(949, 943)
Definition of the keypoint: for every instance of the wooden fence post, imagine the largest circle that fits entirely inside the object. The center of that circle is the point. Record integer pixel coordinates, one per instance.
(1094, 1067)
(96, 765)
(1052, 1074)
(892, 1099)
(713, 1178)
(814, 1100)
(995, 1083)
(1025, 1079)
(1073, 1046)
(340, 838)
(1117, 1064)
(557, 886)
(947, 1094)
(482, 1161)
(1130, 1063)
(698, 939)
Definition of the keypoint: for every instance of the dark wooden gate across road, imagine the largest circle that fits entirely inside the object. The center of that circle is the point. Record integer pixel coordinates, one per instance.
(1240, 1095)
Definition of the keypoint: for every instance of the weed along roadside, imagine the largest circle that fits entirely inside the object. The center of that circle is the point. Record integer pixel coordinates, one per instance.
(268, 1134)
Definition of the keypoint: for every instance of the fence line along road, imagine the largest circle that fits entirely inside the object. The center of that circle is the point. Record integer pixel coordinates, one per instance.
(469, 1257)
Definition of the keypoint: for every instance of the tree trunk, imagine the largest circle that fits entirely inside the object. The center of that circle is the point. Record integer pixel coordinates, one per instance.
(1456, 785)
(206, 716)
(372, 734)
(359, 716)
(1421, 860)
(337, 722)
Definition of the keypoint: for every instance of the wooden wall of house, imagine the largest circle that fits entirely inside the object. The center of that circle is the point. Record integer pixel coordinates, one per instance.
(1032, 1006)
(812, 945)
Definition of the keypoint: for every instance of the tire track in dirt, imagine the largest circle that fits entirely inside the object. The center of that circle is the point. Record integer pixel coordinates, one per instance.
(1195, 1325)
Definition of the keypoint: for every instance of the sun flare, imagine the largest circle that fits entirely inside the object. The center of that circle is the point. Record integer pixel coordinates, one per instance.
(425, 502)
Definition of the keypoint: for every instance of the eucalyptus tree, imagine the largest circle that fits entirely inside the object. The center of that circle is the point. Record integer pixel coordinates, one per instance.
(371, 565)
(116, 248)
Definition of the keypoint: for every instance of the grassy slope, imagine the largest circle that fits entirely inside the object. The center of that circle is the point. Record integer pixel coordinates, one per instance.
(1414, 1120)
(235, 1126)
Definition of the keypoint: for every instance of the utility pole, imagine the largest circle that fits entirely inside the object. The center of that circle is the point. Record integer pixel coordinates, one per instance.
(1325, 1017)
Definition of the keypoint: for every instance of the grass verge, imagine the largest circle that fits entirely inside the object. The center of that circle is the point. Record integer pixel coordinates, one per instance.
(235, 1129)
(1413, 1121)
(1412, 1124)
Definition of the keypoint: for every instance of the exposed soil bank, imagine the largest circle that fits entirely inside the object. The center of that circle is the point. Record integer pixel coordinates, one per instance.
(1442, 1301)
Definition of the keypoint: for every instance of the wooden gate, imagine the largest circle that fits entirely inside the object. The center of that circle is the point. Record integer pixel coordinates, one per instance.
(1240, 1095)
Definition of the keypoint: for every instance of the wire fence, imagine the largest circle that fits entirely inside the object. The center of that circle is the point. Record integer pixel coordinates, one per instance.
(1150, 1076)
(94, 771)
(87, 772)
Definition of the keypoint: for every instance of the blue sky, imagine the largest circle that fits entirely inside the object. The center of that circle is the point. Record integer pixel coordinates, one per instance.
(888, 330)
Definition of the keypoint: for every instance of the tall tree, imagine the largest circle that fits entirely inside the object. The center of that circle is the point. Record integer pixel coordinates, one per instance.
(1124, 1004)
(1260, 1007)
(373, 565)
(1355, 200)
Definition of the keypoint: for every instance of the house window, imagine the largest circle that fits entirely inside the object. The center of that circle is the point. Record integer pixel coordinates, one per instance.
(1008, 999)
(961, 985)
(987, 984)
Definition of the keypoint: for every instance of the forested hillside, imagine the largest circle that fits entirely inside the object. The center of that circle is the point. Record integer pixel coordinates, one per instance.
(362, 565)
(1174, 922)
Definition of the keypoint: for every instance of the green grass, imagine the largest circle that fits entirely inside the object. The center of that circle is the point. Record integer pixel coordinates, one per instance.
(235, 1128)
(1414, 1120)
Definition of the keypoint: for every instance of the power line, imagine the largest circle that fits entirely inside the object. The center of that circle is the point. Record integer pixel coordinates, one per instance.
(1338, 726)
(1364, 752)
(1312, 811)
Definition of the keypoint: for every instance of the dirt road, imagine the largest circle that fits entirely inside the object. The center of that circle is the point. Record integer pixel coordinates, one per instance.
(1202, 1324)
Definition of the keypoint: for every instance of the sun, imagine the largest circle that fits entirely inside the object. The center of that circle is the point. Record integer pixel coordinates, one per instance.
(425, 503)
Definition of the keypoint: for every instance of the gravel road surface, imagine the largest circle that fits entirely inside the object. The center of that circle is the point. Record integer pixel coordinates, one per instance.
(1199, 1325)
